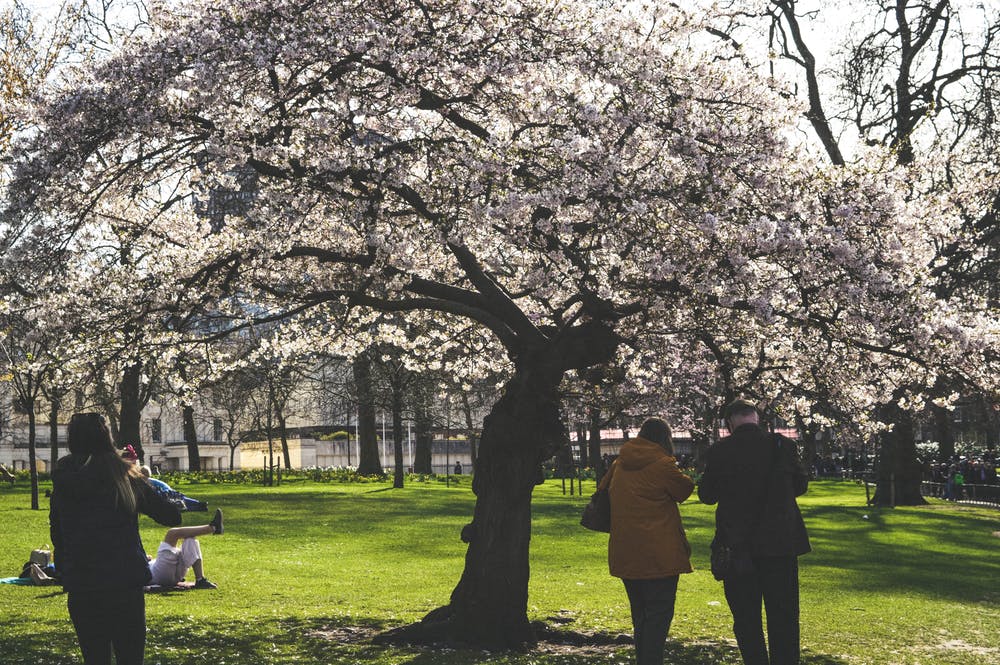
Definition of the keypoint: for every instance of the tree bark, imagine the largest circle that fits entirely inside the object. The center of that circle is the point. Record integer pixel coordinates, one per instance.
(191, 438)
(368, 458)
(489, 605)
(898, 475)
(130, 413)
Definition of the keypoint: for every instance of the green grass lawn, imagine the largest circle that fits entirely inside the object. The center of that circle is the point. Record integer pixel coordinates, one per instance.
(307, 572)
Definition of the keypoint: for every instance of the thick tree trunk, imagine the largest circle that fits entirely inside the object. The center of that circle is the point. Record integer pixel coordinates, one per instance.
(191, 438)
(898, 474)
(368, 458)
(130, 413)
(489, 605)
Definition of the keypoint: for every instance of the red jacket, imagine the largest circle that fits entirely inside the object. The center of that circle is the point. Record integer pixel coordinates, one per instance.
(647, 537)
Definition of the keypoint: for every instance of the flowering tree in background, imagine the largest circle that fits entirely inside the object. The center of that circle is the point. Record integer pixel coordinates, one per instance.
(920, 79)
(542, 185)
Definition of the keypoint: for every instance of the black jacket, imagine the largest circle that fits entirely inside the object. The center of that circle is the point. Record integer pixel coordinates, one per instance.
(96, 543)
(740, 477)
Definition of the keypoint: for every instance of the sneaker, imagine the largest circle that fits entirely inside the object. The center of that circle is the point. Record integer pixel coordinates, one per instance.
(217, 523)
(203, 583)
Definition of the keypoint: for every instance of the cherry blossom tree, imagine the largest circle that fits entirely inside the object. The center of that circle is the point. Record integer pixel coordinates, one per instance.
(919, 78)
(541, 184)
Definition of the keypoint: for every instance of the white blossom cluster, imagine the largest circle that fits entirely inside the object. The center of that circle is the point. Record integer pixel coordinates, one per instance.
(464, 180)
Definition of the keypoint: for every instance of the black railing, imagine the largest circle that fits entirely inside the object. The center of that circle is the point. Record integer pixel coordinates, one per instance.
(972, 493)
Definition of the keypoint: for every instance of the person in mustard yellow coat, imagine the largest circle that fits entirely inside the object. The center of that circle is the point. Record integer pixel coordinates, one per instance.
(648, 549)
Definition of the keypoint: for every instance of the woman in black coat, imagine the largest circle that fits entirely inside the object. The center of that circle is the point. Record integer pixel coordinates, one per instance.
(96, 499)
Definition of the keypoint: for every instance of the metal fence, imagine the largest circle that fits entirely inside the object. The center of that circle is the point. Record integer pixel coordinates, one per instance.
(987, 494)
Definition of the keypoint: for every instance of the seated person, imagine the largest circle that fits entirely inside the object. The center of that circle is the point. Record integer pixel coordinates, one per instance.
(172, 562)
(6, 475)
(183, 502)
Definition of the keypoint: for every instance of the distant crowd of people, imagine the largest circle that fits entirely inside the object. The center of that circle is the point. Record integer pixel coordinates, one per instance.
(951, 477)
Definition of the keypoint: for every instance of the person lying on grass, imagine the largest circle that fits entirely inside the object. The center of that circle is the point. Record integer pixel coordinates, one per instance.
(172, 562)
(182, 501)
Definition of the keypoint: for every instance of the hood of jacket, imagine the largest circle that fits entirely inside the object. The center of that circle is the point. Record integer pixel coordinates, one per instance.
(639, 453)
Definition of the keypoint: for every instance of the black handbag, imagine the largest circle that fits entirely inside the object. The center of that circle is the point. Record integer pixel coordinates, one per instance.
(597, 513)
(728, 561)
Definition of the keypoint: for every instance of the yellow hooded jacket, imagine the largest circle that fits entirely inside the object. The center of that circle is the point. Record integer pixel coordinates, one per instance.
(647, 538)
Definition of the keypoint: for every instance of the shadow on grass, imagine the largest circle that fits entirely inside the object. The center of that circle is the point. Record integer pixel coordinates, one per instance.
(336, 641)
(918, 550)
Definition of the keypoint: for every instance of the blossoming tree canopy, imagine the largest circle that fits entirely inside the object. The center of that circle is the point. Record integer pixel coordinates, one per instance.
(561, 176)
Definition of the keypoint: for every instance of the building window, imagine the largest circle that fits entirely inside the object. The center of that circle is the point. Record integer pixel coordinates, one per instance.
(217, 429)
(156, 431)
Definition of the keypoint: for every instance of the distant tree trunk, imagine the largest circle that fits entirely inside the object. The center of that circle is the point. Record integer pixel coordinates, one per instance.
(286, 455)
(368, 458)
(581, 445)
(470, 429)
(594, 441)
(899, 474)
(943, 432)
(423, 438)
(191, 439)
(32, 460)
(53, 431)
(130, 413)
(808, 442)
(397, 435)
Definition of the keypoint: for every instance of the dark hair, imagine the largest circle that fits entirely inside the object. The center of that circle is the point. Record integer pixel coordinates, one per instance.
(658, 431)
(89, 434)
(739, 407)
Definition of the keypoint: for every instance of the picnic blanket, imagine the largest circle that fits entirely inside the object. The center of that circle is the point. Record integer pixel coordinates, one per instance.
(25, 581)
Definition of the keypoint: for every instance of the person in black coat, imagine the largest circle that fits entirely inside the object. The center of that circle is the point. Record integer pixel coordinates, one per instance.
(754, 477)
(93, 520)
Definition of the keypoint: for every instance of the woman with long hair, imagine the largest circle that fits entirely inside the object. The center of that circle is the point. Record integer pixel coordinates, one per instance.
(96, 500)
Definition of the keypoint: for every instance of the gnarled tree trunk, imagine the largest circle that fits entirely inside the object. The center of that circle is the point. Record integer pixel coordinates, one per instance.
(489, 605)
